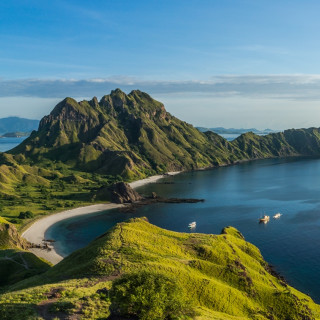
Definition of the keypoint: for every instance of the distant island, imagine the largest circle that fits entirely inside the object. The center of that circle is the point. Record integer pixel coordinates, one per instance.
(222, 130)
(15, 135)
(17, 124)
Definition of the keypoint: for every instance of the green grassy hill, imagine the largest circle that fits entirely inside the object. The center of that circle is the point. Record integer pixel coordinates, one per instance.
(130, 135)
(16, 264)
(217, 277)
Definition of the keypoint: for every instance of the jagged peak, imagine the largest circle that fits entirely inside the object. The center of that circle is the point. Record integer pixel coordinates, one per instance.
(117, 92)
(66, 102)
(94, 102)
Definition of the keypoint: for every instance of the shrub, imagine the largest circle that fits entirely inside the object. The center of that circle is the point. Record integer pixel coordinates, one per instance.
(64, 306)
(26, 215)
(15, 221)
(148, 296)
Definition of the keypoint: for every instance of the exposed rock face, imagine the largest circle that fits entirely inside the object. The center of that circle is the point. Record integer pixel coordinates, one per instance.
(10, 238)
(122, 193)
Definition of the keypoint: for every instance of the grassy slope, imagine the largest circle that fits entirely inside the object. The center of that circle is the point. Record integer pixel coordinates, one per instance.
(16, 264)
(225, 276)
(41, 190)
(130, 135)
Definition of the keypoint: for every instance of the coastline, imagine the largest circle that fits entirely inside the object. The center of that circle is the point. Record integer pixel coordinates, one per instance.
(152, 179)
(35, 233)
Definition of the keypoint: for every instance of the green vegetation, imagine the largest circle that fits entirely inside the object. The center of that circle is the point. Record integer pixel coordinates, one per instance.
(16, 264)
(224, 276)
(84, 146)
(44, 190)
(26, 215)
(148, 295)
(80, 149)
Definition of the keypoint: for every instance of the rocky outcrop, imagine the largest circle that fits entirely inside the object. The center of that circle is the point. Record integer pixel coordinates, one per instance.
(118, 193)
(10, 238)
(122, 193)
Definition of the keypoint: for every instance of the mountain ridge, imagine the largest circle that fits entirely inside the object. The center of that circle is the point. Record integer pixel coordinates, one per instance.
(134, 128)
(134, 136)
(220, 276)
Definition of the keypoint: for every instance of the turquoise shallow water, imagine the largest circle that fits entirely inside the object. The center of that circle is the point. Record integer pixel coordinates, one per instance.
(237, 196)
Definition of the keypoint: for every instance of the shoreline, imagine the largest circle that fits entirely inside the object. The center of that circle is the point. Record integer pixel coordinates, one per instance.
(35, 233)
(152, 179)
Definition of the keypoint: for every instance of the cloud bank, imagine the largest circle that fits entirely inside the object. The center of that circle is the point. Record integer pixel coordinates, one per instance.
(295, 87)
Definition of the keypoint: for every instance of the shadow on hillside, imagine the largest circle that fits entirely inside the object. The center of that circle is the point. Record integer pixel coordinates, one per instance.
(17, 311)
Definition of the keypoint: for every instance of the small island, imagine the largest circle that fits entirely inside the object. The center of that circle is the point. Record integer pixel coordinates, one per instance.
(15, 135)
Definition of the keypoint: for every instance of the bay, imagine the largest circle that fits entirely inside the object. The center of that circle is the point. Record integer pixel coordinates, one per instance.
(237, 196)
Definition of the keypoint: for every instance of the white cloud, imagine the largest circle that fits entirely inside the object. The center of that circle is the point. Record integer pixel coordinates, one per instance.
(295, 87)
(274, 101)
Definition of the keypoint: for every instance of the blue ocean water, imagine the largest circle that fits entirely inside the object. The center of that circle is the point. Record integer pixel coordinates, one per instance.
(9, 143)
(237, 196)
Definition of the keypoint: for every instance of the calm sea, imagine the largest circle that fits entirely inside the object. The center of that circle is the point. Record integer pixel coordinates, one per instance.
(7, 144)
(237, 196)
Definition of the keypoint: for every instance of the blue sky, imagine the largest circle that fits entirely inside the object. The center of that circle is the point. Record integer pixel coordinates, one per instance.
(242, 63)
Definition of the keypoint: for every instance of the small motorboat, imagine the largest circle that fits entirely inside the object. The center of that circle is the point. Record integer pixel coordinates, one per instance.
(192, 225)
(264, 219)
(277, 215)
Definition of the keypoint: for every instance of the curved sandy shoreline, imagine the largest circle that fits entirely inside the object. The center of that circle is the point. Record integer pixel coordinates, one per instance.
(152, 179)
(36, 232)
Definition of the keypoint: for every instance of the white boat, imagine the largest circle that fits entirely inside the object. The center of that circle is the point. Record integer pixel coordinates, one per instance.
(192, 225)
(264, 219)
(277, 215)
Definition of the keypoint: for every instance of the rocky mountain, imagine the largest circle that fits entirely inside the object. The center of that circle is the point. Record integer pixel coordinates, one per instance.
(130, 135)
(139, 271)
(16, 124)
(134, 136)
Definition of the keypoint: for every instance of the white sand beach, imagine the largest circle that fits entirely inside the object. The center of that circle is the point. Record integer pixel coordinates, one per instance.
(36, 232)
(153, 179)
